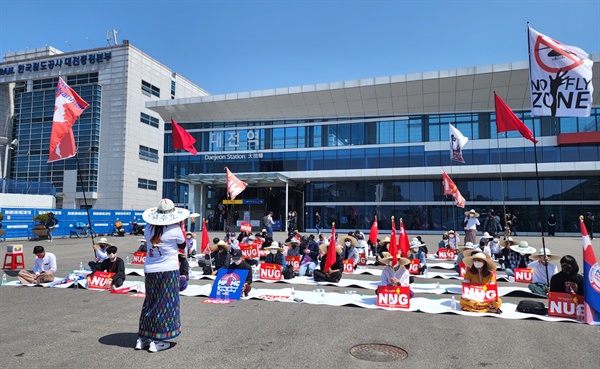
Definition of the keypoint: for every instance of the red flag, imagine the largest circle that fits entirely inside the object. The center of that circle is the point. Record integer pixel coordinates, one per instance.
(451, 189)
(506, 120)
(393, 246)
(68, 106)
(374, 232)
(331, 252)
(204, 242)
(403, 240)
(234, 185)
(182, 140)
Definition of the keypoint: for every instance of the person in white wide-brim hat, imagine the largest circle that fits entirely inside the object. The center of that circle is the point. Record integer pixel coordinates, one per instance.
(543, 271)
(163, 235)
(519, 257)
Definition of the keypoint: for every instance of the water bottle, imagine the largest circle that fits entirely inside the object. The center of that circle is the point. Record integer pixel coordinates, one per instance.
(3, 279)
(80, 265)
(293, 294)
(128, 260)
(453, 303)
(437, 286)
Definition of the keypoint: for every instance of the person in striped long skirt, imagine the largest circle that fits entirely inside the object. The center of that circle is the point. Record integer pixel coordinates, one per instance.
(159, 319)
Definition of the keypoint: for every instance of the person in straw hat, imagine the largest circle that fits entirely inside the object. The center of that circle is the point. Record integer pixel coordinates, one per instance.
(349, 250)
(463, 251)
(480, 271)
(505, 251)
(159, 319)
(471, 223)
(394, 275)
(543, 271)
(382, 248)
(219, 256)
(276, 255)
(101, 255)
(334, 274)
(192, 247)
(519, 257)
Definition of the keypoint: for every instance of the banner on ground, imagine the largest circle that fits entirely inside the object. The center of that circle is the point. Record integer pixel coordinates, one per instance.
(228, 282)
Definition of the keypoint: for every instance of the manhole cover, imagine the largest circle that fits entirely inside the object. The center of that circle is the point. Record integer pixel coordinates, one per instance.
(378, 352)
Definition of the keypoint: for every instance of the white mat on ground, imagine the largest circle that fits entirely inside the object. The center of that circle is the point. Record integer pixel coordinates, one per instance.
(453, 275)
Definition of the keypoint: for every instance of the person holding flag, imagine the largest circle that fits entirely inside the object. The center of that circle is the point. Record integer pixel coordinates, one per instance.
(331, 263)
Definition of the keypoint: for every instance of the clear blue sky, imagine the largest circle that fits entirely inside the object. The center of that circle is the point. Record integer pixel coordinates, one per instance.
(234, 46)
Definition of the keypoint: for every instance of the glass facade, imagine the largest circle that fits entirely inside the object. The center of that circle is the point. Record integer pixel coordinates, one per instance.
(371, 142)
(32, 122)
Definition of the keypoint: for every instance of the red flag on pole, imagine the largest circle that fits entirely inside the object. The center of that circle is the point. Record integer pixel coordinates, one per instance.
(403, 240)
(182, 139)
(393, 246)
(205, 241)
(451, 189)
(374, 232)
(234, 185)
(68, 106)
(331, 252)
(506, 120)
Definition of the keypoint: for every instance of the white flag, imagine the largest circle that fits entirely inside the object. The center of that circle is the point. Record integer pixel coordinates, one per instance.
(561, 78)
(457, 142)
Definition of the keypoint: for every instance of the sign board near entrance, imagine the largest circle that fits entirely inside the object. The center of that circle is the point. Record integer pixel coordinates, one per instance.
(244, 202)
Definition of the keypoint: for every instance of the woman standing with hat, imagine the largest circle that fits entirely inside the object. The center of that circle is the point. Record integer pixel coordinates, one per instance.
(159, 319)
(471, 224)
(480, 272)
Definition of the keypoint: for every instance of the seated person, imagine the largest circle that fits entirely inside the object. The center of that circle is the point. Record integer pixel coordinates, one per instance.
(443, 244)
(115, 265)
(239, 263)
(250, 240)
(494, 245)
(539, 285)
(192, 246)
(423, 246)
(453, 240)
(334, 273)
(44, 268)
(362, 246)
(219, 256)
(349, 252)
(276, 255)
(505, 252)
(309, 251)
(119, 228)
(480, 271)
(294, 246)
(184, 270)
(142, 247)
(416, 253)
(567, 280)
(100, 250)
(463, 251)
(394, 275)
(382, 248)
(519, 258)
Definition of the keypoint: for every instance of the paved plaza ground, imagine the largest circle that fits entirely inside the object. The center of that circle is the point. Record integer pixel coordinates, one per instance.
(68, 328)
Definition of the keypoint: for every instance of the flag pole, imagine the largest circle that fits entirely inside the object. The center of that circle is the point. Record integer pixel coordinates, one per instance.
(537, 175)
(87, 210)
(501, 179)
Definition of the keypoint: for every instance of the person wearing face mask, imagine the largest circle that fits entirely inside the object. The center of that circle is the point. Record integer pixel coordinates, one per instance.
(334, 274)
(567, 280)
(100, 251)
(539, 284)
(495, 248)
(453, 240)
(219, 256)
(44, 268)
(192, 247)
(113, 264)
(519, 258)
(350, 252)
(471, 223)
(294, 249)
(464, 251)
(276, 255)
(239, 263)
(417, 254)
(480, 272)
(394, 275)
(309, 252)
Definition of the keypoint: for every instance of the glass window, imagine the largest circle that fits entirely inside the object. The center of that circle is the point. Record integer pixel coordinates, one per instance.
(401, 134)
(278, 138)
(343, 159)
(386, 133)
(569, 154)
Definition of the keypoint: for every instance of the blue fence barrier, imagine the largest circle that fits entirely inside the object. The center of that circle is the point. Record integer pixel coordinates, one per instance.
(19, 223)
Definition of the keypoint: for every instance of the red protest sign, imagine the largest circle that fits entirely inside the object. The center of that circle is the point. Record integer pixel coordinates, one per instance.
(480, 292)
(564, 304)
(362, 259)
(524, 275)
(139, 258)
(446, 254)
(99, 280)
(414, 266)
(293, 261)
(263, 253)
(462, 269)
(393, 297)
(348, 266)
(270, 272)
(249, 251)
(246, 227)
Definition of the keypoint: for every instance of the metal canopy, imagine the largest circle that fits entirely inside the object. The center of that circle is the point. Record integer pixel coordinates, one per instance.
(219, 180)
